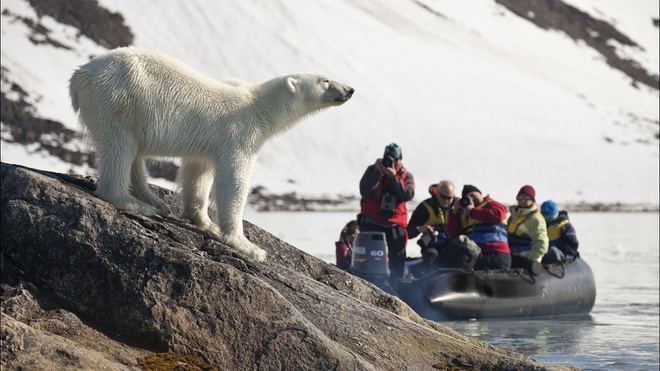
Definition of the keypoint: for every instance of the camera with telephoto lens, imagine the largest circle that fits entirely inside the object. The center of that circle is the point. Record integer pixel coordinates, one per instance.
(427, 239)
(387, 205)
(465, 201)
(388, 161)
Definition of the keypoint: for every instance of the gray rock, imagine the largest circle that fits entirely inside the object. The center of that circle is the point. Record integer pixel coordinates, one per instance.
(85, 286)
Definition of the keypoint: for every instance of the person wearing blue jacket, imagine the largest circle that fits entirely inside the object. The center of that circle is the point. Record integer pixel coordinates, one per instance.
(561, 233)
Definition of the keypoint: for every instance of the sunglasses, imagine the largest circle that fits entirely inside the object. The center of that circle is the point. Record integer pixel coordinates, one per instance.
(524, 198)
(445, 197)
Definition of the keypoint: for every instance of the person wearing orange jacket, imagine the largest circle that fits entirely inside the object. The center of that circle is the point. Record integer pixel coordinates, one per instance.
(482, 220)
(385, 188)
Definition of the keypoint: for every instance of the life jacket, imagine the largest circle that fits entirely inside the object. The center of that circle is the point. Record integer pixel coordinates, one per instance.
(437, 219)
(519, 239)
(481, 232)
(554, 232)
(371, 206)
(559, 239)
(343, 252)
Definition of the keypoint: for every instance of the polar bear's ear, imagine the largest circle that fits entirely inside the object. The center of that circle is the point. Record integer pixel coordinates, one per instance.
(292, 84)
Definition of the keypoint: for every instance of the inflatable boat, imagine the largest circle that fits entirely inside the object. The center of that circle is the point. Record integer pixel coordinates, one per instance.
(556, 289)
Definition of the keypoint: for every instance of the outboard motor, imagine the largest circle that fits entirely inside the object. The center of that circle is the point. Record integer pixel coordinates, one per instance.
(370, 260)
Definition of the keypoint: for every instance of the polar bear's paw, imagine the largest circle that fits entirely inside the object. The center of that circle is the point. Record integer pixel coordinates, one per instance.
(162, 208)
(130, 204)
(203, 221)
(257, 253)
(212, 228)
(242, 244)
(147, 210)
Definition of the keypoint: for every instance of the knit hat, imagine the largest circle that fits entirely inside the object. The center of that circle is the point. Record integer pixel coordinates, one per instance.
(549, 210)
(469, 188)
(393, 150)
(528, 190)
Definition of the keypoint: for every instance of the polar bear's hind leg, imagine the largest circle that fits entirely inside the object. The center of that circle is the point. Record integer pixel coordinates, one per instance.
(140, 189)
(116, 155)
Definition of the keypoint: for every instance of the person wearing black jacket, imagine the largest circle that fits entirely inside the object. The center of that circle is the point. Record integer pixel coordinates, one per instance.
(430, 218)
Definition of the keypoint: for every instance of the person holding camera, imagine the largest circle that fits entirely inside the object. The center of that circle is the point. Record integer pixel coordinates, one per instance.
(527, 230)
(430, 219)
(385, 188)
(481, 219)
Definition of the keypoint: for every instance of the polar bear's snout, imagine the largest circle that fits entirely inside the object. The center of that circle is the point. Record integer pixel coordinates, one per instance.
(345, 93)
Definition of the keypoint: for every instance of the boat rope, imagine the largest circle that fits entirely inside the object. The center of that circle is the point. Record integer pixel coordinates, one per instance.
(519, 272)
(551, 271)
(527, 277)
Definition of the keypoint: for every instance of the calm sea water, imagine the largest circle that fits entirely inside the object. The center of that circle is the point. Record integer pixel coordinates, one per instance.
(621, 332)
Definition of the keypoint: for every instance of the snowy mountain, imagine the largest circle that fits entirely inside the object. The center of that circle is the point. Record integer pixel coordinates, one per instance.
(560, 95)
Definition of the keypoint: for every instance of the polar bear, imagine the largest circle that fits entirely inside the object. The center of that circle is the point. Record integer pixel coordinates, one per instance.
(135, 103)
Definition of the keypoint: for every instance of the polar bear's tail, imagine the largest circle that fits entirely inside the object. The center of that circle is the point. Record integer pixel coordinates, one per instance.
(74, 83)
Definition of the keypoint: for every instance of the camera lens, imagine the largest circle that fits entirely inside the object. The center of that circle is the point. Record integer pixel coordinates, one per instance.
(465, 201)
(387, 161)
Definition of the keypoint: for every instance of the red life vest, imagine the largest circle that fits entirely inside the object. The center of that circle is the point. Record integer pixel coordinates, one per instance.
(371, 206)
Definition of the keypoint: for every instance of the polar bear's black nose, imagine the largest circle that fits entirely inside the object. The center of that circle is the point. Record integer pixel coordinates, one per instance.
(350, 92)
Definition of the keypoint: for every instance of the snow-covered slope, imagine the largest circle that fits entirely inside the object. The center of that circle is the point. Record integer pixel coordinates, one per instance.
(471, 91)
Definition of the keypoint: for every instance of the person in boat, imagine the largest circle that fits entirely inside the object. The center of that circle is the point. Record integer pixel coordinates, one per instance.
(561, 233)
(481, 219)
(385, 188)
(344, 247)
(430, 220)
(527, 231)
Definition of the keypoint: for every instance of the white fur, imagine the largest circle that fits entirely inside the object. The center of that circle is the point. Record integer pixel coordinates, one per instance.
(136, 103)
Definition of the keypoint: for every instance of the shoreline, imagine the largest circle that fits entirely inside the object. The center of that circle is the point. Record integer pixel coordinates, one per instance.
(263, 202)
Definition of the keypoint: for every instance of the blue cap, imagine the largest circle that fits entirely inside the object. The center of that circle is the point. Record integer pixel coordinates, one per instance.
(393, 150)
(549, 210)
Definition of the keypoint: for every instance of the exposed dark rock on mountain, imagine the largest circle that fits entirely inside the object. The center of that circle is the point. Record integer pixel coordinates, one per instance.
(26, 129)
(97, 23)
(87, 287)
(598, 34)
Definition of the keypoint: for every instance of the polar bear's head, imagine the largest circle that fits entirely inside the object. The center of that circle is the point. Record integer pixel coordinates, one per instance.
(285, 100)
(318, 91)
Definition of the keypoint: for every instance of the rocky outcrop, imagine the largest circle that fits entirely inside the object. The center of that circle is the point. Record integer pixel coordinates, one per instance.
(87, 287)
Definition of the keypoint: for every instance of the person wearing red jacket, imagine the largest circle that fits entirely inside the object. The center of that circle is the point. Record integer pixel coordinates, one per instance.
(481, 219)
(344, 247)
(385, 188)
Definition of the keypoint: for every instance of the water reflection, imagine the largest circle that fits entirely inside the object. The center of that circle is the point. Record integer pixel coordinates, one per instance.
(621, 333)
(533, 336)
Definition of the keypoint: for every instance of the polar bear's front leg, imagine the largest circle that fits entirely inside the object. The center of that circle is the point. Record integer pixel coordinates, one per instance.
(231, 189)
(196, 180)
